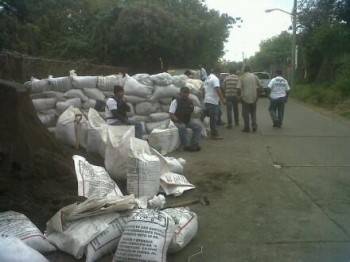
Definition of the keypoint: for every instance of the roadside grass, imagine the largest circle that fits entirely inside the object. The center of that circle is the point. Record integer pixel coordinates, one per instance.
(326, 97)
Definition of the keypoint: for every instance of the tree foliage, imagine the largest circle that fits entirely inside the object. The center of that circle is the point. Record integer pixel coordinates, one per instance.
(134, 33)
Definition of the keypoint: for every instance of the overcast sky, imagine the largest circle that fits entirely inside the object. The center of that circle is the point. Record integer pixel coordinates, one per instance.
(257, 25)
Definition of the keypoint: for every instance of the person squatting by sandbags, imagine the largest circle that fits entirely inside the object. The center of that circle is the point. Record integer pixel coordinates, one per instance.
(180, 111)
(116, 111)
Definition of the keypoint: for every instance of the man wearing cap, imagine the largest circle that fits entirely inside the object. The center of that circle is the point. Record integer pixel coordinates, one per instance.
(180, 111)
(116, 111)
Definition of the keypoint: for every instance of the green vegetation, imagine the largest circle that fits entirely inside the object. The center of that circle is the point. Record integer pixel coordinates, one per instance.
(138, 34)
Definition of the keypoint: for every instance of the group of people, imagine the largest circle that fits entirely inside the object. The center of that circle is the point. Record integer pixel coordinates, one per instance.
(236, 89)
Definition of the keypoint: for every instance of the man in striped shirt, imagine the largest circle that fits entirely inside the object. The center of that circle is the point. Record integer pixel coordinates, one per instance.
(232, 97)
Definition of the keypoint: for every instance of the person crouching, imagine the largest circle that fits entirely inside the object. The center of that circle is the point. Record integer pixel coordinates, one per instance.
(116, 111)
(180, 111)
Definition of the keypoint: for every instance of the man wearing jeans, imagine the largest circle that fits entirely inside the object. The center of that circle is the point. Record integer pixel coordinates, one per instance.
(249, 85)
(277, 90)
(231, 94)
(180, 111)
(212, 96)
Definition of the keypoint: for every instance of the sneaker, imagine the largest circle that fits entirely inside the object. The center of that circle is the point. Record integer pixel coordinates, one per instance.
(216, 137)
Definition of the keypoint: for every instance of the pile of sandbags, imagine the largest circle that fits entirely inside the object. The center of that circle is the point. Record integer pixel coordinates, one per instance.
(149, 96)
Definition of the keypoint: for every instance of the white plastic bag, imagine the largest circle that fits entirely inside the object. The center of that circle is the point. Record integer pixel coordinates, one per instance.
(176, 184)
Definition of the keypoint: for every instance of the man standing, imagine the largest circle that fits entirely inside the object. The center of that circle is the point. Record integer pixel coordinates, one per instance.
(231, 94)
(212, 96)
(116, 111)
(277, 90)
(249, 85)
(202, 73)
(180, 112)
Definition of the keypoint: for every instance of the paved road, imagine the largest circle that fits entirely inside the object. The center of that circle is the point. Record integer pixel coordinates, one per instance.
(276, 195)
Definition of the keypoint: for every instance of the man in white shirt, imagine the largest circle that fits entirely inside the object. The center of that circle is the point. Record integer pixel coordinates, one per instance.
(180, 111)
(212, 96)
(277, 90)
(116, 111)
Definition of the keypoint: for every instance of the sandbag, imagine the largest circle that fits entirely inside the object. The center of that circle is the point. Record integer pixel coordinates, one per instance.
(186, 227)
(90, 103)
(107, 241)
(133, 87)
(76, 93)
(164, 140)
(146, 237)
(97, 133)
(146, 108)
(162, 79)
(60, 84)
(48, 120)
(155, 117)
(81, 82)
(42, 104)
(72, 128)
(18, 225)
(54, 94)
(12, 249)
(134, 99)
(107, 83)
(180, 80)
(161, 92)
(144, 79)
(143, 170)
(152, 125)
(94, 93)
(37, 86)
(63, 106)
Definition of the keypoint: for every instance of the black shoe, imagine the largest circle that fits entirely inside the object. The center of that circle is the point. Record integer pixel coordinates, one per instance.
(188, 148)
(245, 130)
(220, 123)
(229, 126)
(254, 130)
(196, 148)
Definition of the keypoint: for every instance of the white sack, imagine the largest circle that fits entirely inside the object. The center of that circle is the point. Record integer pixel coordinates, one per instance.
(60, 84)
(133, 87)
(161, 92)
(72, 128)
(176, 165)
(186, 227)
(94, 93)
(144, 79)
(143, 170)
(180, 80)
(195, 100)
(75, 235)
(132, 110)
(146, 237)
(176, 184)
(76, 93)
(164, 140)
(195, 86)
(155, 117)
(18, 225)
(54, 94)
(162, 79)
(91, 103)
(141, 118)
(118, 145)
(107, 241)
(165, 108)
(94, 181)
(37, 86)
(13, 249)
(97, 133)
(134, 99)
(107, 83)
(166, 101)
(81, 82)
(152, 125)
(74, 102)
(146, 108)
(42, 104)
(48, 120)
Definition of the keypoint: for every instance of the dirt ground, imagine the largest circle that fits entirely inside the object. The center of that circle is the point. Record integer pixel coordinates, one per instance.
(37, 174)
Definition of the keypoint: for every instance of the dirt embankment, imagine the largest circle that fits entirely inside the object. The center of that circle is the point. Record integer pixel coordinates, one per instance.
(37, 174)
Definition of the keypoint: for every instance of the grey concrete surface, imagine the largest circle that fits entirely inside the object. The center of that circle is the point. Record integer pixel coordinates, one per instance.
(276, 195)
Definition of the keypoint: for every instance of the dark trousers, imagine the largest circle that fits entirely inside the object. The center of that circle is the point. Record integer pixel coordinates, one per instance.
(276, 110)
(213, 110)
(232, 104)
(249, 113)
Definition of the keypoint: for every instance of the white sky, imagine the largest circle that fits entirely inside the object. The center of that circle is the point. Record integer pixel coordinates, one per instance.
(257, 25)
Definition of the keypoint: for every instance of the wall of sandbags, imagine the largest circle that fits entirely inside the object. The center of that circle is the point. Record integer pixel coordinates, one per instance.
(149, 96)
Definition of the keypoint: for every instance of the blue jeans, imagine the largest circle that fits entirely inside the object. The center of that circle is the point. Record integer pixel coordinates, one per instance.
(197, 130)
(249, 113)
(276, 110)
(213, 111)
(232, 104)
